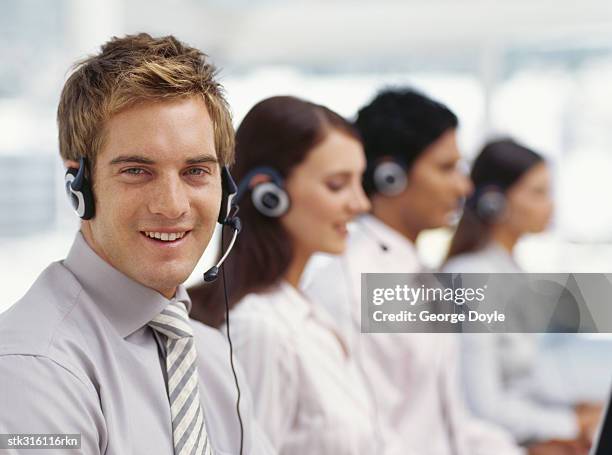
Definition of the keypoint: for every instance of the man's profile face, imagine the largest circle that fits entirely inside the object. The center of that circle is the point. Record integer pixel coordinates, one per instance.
(436, 184)
(157, 175)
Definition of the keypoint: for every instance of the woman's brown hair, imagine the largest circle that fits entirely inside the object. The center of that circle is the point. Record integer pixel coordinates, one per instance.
(499, 165)
(278, 132)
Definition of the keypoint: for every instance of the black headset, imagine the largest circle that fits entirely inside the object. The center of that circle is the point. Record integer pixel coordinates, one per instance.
(388, 176)
(488, 203)
(227, 217)
(269, 195)
(229, 190)
(79, 191)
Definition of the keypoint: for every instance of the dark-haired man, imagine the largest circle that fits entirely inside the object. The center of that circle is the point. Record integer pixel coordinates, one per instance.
(413, 178)
(414, 184)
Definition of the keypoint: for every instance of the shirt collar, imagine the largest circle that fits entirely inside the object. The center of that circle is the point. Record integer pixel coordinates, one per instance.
(127, 304)
(501, 257)
(384, 232)
(299, 307)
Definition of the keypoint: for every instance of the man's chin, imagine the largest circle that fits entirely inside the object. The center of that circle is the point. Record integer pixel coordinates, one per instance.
(434, 224)
(164, 283)
(449, 219)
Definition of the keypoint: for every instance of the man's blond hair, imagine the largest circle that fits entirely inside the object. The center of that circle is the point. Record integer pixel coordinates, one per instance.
(133, 69)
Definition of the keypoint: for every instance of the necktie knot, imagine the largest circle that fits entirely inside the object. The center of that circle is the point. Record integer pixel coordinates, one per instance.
(173, 321)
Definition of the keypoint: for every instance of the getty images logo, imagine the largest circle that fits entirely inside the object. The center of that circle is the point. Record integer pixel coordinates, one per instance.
(413, 295)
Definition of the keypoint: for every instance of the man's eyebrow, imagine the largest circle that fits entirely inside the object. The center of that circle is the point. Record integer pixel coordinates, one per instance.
(202, 159)
(132, 159)
(143, 160)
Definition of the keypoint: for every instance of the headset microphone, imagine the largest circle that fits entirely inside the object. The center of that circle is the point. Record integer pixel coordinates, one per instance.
(227, 217)
(211, 274)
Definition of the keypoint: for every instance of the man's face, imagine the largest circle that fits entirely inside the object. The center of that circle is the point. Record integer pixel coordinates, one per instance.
(157, 175)
(436, 185)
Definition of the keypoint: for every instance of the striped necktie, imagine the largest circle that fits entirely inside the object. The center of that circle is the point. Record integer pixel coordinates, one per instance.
(188, 427)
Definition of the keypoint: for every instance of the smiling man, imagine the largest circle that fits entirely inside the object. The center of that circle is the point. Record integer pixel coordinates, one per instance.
(101, 345)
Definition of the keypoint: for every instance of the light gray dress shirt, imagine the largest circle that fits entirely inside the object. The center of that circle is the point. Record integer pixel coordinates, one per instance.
(77, 356)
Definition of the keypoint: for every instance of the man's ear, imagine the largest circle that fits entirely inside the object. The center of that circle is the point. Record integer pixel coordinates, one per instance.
(71, 164)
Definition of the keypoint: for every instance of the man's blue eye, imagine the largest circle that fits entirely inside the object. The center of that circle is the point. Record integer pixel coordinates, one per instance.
(134, 171)
(197, 171)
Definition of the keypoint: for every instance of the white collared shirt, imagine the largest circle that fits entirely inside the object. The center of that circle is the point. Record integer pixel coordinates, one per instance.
(491, 259)
(414, 376)
(308, 393)
(505, 377)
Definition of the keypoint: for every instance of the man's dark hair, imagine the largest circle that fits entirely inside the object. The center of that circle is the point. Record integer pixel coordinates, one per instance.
(400, 123)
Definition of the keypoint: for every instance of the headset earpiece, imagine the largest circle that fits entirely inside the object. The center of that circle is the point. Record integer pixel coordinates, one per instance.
(389, 177)
(489, 204)
(267, 191)
(229, 190)
(78, 189)
(270, 199)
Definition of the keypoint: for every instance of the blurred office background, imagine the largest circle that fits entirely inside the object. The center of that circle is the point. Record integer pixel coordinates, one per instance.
(538, 70)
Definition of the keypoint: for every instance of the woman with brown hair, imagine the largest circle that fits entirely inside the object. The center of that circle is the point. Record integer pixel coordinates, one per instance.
(511, 198)
(501, 372)
(299, 166)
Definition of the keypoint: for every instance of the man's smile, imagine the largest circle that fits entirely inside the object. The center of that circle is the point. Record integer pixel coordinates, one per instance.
(166, 237)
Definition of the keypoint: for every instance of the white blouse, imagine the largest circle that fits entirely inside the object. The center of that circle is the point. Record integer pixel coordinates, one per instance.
(308, 394)
(505, 378)
(414, 375)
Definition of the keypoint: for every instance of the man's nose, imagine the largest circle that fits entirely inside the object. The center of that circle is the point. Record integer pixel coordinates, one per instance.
(169, 198)
(463, 184)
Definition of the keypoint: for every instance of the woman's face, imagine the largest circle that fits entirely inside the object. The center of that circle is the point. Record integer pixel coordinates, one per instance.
(326, 193)
(529, 204)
